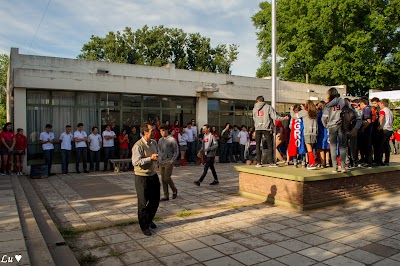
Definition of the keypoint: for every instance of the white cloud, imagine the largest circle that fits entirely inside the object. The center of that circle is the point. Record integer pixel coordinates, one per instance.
(67, 25)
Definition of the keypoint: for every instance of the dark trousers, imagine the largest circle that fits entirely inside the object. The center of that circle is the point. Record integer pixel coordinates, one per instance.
(236, 150)
(242, 149)
(229, 152)
(65, 157)
(108, 154)
(148, 195)
(81, 152)
(352, 148)
(269, 143)
(209, 164)
(48, 159)
(386, 146)
(223, 156)
(366, 147)
(377, 143)
(95, 158)
(190, 151)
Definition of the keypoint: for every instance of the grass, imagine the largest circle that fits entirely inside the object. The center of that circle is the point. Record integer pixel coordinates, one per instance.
(87, 259)
(187, 213)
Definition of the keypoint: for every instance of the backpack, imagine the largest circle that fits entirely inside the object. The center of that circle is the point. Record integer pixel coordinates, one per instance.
(349, 119)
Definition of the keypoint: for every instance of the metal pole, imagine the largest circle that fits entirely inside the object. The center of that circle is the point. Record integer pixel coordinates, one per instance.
(273, 74)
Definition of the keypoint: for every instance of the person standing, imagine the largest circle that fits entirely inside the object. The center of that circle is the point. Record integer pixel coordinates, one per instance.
(365, 134)
(209, 147)
(80, 138)
(386, 124)
(21, 143)
(200, 138)
(397, 141)
(195, 132)
(108, 145)
(123, 139)
(46, 139)
(144, 159)
(182, 140)
(168, 152)
(264, 117)
(376, 133)
(190, 142)
(235, 141)
(223, 141)
(322, 145)
(95, 141)
(229, 145)
(66, 139)
(242, 137)
(176, 129)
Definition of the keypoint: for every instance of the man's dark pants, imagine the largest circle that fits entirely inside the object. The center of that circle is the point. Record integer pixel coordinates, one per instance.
(78, 152)
(65, 157)
(352, 148)
(108, 154)
(48, 159)
(95, 158)
(366, 147)
(190, 151)
(209, 164)
(148, 195)
(386, 147)
(377, 143)
(270, 152)
(236, 150)
(242, 149)
(230, 155)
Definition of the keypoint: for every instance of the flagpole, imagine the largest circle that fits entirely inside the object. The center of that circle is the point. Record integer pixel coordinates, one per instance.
(273, 72)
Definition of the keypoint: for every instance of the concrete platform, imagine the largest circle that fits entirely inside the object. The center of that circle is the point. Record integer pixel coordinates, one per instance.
(304, 189)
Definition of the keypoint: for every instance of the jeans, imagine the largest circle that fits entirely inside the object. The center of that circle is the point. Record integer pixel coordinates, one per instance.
(209, 164)
(337, 137)
(48, 159)
(65, 157)
(95, 158)
(352, 150)
(166, 172)
(386, 147)
(148, 198)
(236, 150)
(78, 152)
(190, 151)
(108, 154)
(397, 146)
(223, 156)
(270, 152)
(366, 147)
(230, 156)
(242, 149)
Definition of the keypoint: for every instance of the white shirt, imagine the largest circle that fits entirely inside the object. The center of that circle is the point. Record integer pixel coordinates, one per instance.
(189, 133)
(66, 141)
(80, 135)
(388, 119)
(44, 136)
(108, 142)
(243, 135)
(94, 141)
(194, 129)
(207, 140)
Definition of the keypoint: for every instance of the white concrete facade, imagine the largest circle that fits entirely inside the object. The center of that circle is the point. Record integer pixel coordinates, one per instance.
(62, 74)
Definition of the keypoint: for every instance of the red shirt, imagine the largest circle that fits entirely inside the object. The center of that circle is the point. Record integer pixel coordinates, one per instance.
(21, 142)
(176, 130)
(397, 136)
(8, 136)
(157, 135)
(123, 145)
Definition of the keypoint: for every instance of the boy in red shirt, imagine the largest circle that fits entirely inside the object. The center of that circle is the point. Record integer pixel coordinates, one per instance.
(397, 141)
(21, 143)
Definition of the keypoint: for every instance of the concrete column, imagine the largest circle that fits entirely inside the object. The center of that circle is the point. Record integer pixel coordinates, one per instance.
(201, 109)
(20, 115)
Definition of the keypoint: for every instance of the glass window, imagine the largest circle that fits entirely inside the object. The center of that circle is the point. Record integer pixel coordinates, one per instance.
(88, 117)
(171, 116)
(62, 116)
(151, 101)
(131, 117)
(213, 105)
(110, 99)
(37, 97)
(87, 99)
(242, 105)
(131, 101)
(178, 102)
(110, 117)
(226, 105)
(63, 98)
(37, 118)
(151, 115)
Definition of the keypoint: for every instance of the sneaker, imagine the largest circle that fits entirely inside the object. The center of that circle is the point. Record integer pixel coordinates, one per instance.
(303, 164)
(311, 167)
(175, 195)
(258, 165)
(215, 182)
(146, 232)
(295, 165)
(86, 171)
(334, 171)
(164, 199)
(197, 183)
(8, 173)
(17, 173)
(366, 166)
(3, 173)
(273, 165)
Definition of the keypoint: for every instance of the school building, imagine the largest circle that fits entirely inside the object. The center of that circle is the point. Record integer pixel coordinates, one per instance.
(61, 91)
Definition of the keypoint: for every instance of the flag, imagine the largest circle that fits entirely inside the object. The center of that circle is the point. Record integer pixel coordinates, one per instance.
(296, 143)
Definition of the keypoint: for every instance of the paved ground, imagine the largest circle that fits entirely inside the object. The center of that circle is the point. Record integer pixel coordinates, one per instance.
(212, 225)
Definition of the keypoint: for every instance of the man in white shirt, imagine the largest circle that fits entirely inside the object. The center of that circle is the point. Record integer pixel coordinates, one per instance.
(94, 140)
(66, 139)
(46, 139)
(386, 123)
(195, 132)
(190, 142)
(242, 137)
(80, 138)
(108, 145)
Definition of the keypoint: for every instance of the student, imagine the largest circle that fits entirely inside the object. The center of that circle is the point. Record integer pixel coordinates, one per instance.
(250, 150)
(21, 143)
(168, 152)
(66, 139)
(123, 147)
(46, 139)
(296, 148)
(322, 145)
(80, 138)
(200, 138)
(209, 147)
(95, 141)
(397, 141)
(376, 133)
(332, 121)
(223, 142)
(7, 150)
(235, 141)
(391, 143)
(190, 142)
(229, 145)
(280, 139)
(108, 145)
(352, 137)
(243, 137)
(176, 128)
(182, 141)
(365, 133)
(214, 132)
(386, 124)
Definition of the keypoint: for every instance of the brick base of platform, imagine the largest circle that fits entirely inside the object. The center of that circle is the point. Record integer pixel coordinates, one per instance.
(303, 195)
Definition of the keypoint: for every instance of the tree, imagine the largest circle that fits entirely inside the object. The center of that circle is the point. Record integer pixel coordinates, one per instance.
(4, 60)
(159, 46)
(352, 42)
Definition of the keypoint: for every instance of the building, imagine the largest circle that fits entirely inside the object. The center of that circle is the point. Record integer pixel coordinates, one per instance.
(63, 91)
(393, 96)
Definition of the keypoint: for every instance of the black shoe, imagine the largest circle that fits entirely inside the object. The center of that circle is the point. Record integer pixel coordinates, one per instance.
(175, 195)
(215, 182)
(146, 232)
(78, 172)
(105, 170)
(52, 174)
(152, 225)
(197, 183)
(164, 199)
(86, 171)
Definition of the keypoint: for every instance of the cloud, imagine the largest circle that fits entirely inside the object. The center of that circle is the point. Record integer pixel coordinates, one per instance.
(67, 25)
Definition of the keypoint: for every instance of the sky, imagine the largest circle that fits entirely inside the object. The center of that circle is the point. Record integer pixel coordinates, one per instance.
(68, 24)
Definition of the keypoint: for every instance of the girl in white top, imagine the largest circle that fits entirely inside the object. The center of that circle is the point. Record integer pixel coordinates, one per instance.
(182, 140)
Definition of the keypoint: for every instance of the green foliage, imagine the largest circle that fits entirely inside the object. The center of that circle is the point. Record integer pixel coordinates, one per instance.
(4, 61)
(187, 213)
(352, 42)
(396, 114)
(159, 46)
